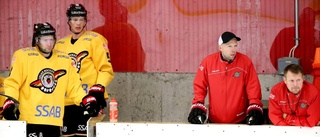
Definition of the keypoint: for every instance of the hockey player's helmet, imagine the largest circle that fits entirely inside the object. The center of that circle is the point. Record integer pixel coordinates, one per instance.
(76, 10)
(42, 29)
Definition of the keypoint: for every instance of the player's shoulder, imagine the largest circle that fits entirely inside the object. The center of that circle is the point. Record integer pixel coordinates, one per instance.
(92, 34)
(27, 51)
(212, 56)
(280, 85)
(312, 89)
(64, 39)
(60, 54)
(278, 90)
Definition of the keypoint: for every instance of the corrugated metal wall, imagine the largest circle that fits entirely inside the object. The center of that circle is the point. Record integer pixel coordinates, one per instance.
(174, 35)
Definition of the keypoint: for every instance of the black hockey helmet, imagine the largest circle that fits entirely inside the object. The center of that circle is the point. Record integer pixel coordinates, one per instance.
(75, 10)
(42, 29)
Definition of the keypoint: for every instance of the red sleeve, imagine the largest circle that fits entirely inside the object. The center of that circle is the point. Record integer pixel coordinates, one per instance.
(200, 84)
(275, 112)
(253, 88)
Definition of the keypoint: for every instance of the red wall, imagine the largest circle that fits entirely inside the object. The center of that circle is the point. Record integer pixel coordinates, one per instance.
(172, 35)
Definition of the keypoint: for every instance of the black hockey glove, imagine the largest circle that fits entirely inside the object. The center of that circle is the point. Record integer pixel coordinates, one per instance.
(198, 114)
(254, 115)
(10, 110)
(89, 103)
(98, 92)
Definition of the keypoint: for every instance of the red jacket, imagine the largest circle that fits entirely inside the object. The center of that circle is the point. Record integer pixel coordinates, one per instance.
(302, 109)
(230, 87)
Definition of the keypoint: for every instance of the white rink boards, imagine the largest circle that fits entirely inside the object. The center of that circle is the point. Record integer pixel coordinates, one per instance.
(12, 128)
(104, 129)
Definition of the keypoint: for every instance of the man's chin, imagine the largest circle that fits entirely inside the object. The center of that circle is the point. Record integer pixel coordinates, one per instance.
(295, 91)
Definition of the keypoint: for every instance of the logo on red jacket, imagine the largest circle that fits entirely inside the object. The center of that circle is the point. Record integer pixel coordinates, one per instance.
(47, 80)
(77, 58)
(236, 74)
(303, 105)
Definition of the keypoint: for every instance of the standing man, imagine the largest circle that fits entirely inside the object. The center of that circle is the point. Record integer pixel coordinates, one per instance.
(40, 88)
(294, 101)
(90, 55)
(232, 85)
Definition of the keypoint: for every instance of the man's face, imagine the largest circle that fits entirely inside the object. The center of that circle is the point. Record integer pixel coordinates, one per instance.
(46, 43)
(229, 49)
(293, 81)
(77, 24)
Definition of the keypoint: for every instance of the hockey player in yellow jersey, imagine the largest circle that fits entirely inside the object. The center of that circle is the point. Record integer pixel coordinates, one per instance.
(90, 55)
(40, 78)
(2, 98)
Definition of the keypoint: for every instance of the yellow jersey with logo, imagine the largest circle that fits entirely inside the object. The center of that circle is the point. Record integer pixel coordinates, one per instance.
(90, 55)
(40, 85)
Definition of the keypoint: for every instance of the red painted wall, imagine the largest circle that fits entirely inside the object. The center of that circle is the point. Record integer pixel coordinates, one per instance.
(172, 35)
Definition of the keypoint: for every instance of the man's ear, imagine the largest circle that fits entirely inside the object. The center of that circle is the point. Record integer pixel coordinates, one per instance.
(220, 47)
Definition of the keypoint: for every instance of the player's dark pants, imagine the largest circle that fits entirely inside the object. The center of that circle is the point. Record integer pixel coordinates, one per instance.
(36, 130)
(74, 121)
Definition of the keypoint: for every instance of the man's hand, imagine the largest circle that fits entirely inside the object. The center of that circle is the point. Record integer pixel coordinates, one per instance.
(198, 114)
(254, 115)
(89, 103)
(284, 115)
(98, 92)
(10, 112)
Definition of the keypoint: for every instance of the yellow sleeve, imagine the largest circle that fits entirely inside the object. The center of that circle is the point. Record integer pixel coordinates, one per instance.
(101, 59)
(17, 75)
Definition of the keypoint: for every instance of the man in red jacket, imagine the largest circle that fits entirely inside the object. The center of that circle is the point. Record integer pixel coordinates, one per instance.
(294, 101)
(232, 85)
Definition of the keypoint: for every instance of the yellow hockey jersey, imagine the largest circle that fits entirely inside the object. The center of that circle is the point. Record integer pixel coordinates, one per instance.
(40, 85)
(90, 55)
(2, 98)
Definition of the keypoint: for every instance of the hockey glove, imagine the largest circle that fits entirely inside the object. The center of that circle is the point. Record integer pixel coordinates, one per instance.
(98, 92)
(254, 115)
(198, 114)
(10, 112)
(89, 103)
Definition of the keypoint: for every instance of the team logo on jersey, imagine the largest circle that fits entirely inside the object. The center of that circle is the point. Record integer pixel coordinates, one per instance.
(236, 74)
(77, 58)
(47, 80)
(303, 105)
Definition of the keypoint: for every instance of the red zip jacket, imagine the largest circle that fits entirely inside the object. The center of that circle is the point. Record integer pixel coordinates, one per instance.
(230, 87)
(302, 109)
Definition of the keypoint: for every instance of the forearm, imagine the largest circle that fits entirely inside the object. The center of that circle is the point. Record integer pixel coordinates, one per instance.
(294, 120)
(105, 77)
